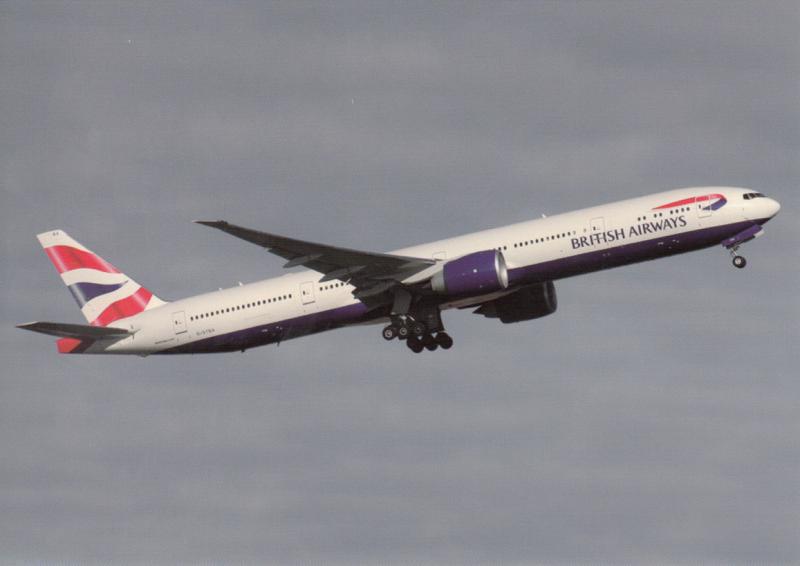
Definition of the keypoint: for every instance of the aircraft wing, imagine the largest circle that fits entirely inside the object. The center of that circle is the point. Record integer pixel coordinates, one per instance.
(370, 272)
(65, 330)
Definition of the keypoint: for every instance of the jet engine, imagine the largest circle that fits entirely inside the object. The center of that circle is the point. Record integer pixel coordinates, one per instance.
(473, 274)
(531, 301)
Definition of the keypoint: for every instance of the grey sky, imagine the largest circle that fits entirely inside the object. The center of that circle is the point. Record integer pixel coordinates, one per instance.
(654, 417)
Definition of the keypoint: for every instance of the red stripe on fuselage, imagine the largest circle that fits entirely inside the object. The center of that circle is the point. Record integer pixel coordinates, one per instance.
(689, 200)
(67, 258)
(124, 308)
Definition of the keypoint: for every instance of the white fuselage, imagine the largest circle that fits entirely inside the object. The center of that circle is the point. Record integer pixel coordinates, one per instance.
(542, 249)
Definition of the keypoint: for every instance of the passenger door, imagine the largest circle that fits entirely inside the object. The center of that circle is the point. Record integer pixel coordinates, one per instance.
(307, 293)
(704, 206)
(179, 322)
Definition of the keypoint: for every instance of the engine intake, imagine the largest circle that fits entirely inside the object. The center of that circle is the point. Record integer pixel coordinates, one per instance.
(472, 274)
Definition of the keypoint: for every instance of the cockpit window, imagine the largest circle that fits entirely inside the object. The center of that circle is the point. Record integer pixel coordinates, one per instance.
(748, 196)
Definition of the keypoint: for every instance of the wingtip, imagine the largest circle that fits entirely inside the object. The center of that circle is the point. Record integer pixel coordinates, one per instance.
(210, 222)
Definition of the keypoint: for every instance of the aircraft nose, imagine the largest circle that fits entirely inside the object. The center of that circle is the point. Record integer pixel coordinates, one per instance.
(773, 207)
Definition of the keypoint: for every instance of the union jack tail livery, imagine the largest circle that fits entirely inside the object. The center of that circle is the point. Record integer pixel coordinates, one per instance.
(103, 293)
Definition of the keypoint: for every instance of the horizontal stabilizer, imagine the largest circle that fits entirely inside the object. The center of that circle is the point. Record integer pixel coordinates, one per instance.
(75, 330)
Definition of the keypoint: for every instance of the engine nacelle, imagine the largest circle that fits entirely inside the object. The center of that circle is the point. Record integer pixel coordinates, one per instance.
(531, 301)
(473, 274)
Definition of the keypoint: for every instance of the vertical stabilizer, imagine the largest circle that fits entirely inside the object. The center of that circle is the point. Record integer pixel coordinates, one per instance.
(103, 293)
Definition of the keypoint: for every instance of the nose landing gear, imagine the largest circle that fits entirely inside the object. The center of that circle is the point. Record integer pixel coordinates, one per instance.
(733, 243)
(738, 261)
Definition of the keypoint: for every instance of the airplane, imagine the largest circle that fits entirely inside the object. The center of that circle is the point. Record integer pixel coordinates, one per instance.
(504, 273)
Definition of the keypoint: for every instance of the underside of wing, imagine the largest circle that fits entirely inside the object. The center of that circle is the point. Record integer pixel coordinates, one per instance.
(370, 272)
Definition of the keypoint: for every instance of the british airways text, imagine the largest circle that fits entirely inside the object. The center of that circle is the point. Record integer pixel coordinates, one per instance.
(640, 229)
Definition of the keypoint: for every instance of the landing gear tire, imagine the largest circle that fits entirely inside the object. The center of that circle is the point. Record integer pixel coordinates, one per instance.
(429, 342)
(414, 344)
(444, 340)
(417, 328)
(402, 332)
(390, 332)
(739, 262)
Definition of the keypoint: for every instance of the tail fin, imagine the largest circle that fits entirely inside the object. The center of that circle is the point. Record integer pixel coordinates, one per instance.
(102, 292)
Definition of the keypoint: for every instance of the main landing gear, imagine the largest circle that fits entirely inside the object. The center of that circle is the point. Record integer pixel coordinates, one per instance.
(418, 322)
(417, 335)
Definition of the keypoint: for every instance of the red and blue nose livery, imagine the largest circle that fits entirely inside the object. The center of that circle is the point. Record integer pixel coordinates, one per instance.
(706, 202)
(103, 293)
